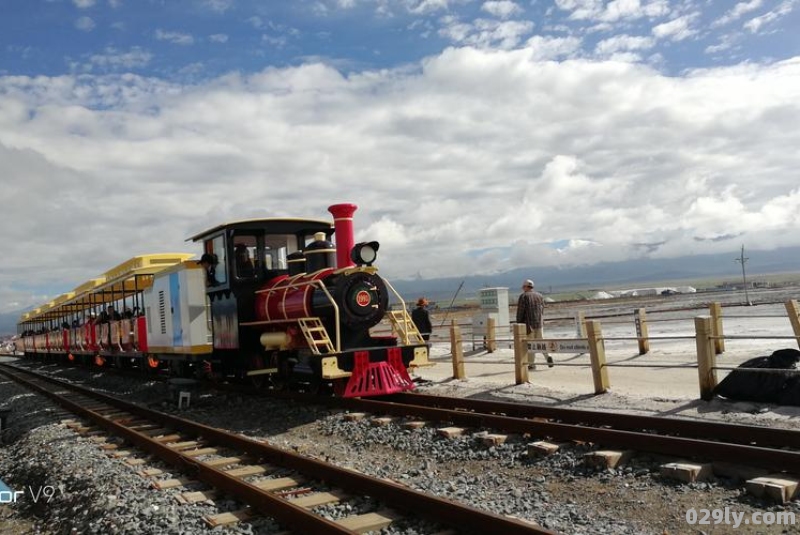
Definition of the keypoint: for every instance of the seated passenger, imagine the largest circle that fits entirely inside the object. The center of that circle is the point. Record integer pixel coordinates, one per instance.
(111, 314)
(244, 264)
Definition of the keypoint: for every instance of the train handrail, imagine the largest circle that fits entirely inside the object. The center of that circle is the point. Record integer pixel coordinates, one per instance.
(406, 317)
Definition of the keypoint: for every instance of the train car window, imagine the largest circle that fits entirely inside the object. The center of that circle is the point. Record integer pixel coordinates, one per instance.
(246, 260)
(276, 248)
(221, 267)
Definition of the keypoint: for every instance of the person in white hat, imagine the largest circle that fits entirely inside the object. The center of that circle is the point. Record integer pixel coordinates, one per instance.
(530, 311)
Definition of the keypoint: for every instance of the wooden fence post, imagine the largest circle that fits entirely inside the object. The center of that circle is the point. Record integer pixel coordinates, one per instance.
(716, 327)
(491, 335)
(794, 317)
(706, 357)
(457, 350)
(520, 353)
(640, 319)
(580, 324)
(597, 354)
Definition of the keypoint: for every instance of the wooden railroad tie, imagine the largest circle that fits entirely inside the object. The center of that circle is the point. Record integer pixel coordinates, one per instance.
(224, 519)
(319, 498)
(224, 461)
(382, 421)
(179, 446)
(607, 458)
(780, 488)
(493, 439)
(686, 471)
(543, 448)
(280, 483)
(200, 451)
(186, 498)
(369, 521)
(451, 432)
(173, 483)
(150, 472)
(245, 471)
(414, 424)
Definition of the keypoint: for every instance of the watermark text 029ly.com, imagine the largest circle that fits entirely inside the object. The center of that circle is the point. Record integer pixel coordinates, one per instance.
(733, 518)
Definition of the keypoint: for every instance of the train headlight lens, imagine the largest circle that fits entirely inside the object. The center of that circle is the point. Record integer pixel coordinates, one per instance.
(365, 253)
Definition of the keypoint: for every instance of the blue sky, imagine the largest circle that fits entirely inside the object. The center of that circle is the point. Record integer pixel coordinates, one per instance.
(207, 38)
(475, 136)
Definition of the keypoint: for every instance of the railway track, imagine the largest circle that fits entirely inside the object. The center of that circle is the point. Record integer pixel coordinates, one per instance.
(756, 446)
(224, 460)
(746, 445)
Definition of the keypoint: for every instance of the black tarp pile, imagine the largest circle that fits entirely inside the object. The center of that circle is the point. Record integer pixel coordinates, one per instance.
(766, 386)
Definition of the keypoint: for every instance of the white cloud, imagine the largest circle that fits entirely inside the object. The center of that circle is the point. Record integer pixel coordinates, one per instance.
(615, 10)
(725, 42)
(784, 8)
(112, 58)
(176, 38)
(623, 43)
(544, 48)
(737, 12)
(486, 33)
(83, 4)
(476, 150)
(677, 29)
(256, 21)
(115, 3)
(220, 6)
(85, 24)
(422, 7)
(275, 41)
(502, 9)
(218, 38)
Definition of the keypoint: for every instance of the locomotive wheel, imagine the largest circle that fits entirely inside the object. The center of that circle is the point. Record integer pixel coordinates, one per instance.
(315, 386)
(282, 379)
(257, 363)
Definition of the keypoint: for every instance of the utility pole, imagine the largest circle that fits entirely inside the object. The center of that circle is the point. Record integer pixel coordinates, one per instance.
(451, 303)
(742, 259)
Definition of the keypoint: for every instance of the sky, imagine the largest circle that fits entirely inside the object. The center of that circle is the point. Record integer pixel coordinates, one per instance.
(474, 136)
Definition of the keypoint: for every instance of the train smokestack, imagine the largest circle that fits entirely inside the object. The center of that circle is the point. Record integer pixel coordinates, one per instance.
(345, 237)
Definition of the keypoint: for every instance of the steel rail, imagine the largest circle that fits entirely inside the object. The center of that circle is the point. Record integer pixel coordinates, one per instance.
(742, 434)
(437, 509)
(414, 404)
(677, 446)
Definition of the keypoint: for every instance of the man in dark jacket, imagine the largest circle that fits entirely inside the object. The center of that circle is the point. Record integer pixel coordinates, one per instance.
(422, 319)
(530, 311)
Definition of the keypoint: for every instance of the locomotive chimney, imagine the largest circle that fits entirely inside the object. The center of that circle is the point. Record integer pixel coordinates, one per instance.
(345, 239)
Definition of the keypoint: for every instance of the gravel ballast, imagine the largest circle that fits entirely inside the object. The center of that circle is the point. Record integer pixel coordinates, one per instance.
(559, 492)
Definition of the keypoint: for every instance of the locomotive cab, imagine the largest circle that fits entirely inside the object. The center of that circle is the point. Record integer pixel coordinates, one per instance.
(244, 256)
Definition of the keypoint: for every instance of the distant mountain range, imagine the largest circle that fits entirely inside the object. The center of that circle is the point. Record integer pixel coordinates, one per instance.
(604, 275)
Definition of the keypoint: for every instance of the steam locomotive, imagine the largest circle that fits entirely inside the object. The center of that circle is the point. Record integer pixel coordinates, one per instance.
(270, 301)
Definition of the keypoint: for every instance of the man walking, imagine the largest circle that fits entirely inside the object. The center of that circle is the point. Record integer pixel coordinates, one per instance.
(530, 311)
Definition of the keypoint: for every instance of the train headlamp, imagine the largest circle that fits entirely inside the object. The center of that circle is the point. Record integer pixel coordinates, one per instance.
(364, 253)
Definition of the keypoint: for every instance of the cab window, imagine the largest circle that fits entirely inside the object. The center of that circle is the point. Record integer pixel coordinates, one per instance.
(221, 266)
(276, 248)
(245, 256)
